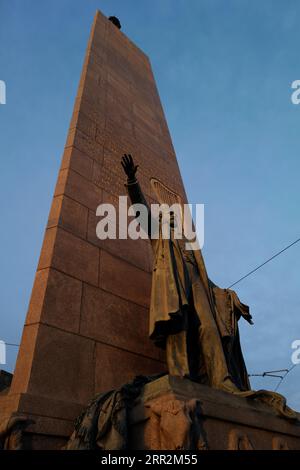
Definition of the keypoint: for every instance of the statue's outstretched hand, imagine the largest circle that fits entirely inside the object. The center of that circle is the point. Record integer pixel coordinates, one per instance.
(128, 165)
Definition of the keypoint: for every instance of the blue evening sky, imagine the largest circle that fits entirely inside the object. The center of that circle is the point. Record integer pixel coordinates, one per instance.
(224, 71)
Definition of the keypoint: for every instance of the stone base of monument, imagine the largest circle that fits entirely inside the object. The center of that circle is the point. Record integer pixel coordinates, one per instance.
(45, 424)
(174, 413)
(170, 413)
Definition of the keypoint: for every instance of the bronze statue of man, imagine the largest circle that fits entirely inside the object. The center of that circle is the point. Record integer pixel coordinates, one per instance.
(190, 317)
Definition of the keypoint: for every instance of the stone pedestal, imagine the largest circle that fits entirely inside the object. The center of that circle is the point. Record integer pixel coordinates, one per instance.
(179, 414)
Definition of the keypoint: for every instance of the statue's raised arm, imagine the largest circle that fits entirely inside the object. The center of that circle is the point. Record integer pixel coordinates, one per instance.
(134, 190)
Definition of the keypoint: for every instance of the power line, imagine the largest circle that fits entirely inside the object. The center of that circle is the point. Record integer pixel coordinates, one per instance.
(282, 378)
(276, 374)
(264, 263)
(270, 373)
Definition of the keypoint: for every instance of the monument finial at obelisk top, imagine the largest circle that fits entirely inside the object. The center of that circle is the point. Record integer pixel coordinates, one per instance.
(115, 21)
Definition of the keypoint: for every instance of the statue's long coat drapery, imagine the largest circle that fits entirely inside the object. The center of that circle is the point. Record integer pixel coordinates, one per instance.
(169, 298)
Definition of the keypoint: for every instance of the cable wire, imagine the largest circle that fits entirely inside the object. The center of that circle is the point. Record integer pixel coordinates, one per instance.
(275, 374)
(264, 263)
